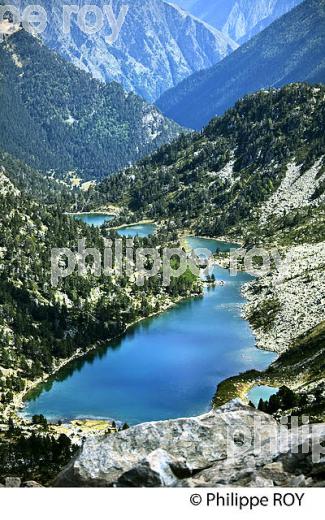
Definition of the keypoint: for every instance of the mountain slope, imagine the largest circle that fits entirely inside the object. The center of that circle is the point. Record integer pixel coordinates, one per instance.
(56, 117)
(159, 45)
(239, 19)
(291, 49)
(42, 325)
(257, 176)
(262, 163)
(45, 189)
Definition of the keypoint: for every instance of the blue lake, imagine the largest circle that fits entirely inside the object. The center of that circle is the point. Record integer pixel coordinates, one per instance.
(93, 219)
(211, 244)
(97, 220)
(139, 230)
(261, 392)
(165, 367)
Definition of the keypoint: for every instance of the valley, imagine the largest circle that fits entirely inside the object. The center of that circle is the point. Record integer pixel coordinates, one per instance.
(158, 45)
(77, 126)
(122, 362)
(148, 375)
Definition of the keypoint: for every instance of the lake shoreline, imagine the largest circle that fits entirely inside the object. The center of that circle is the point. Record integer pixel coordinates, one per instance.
(134, 224)
(19, 401)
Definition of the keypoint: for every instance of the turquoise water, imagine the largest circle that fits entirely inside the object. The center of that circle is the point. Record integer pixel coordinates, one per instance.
(140, 230)
(93, 219)
(211, 244)
(261, 392)
(97, 220)
(164, 367)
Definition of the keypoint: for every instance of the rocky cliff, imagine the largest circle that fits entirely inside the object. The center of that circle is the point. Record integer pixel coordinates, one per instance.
(231, 446)
(159, 45)
(239, 19)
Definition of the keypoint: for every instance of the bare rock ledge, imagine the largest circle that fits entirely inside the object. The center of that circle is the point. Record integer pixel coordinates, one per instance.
(234, 445)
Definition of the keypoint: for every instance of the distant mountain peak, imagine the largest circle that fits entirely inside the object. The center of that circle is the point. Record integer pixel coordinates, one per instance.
(292, 49)
(239, 19)
(158, 46)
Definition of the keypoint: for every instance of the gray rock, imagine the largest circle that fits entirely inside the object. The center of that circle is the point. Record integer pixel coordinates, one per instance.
(31, 484)
(233, 446)
(275, 473)
(158, 46)
(200, 451)
(260, 482)
(12, 482)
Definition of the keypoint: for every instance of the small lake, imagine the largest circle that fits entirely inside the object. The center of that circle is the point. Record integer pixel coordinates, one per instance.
(261, 392)
(164, 367)
(93, 219)
(98, 219)
(211, 244)
(139, 230)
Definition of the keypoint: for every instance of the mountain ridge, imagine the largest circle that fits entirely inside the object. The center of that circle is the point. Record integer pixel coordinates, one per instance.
(239, 19)
(56, 117)
(158, 46)
(291, 49)
(218, 179)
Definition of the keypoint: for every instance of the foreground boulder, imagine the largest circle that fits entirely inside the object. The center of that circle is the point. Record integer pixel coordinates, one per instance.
(234, 445)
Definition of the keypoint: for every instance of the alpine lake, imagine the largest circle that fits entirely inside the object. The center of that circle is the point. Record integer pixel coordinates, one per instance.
(164, 367)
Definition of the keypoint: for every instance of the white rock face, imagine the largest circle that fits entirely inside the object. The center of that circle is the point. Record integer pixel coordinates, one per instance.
(235, 445)
(6, 186)
(239, 19)
(296, 191)
(159, 45)
(298, 284)
(227, 173)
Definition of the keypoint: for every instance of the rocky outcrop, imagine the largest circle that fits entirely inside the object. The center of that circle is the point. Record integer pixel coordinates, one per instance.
(298, 284)
(234, 445)
(297, 190)
(16, 482)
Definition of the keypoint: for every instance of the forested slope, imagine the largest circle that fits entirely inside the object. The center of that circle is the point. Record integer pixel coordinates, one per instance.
(224, 178)
(56, 117)
(42, 324)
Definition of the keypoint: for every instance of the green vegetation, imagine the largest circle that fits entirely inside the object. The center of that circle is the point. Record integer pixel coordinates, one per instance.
(187, 180)
(300, 369)
(38, 186)
(285, 399)
(40, 419)
(36, 456)
(301, 226)
(309, 346)
(40, 325)
(264, 316)
(294, 404)
(234, 387)
(56, 117)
